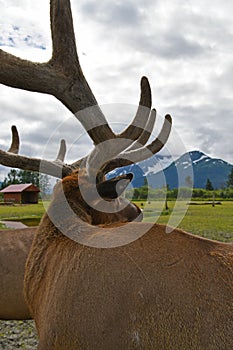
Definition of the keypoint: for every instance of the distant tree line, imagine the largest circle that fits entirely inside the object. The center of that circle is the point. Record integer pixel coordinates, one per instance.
(184, 193)
(146, 192)
(22, 176)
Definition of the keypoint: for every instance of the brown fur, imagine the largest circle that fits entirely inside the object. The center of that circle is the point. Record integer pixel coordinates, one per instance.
(162, 291)
(14, 249)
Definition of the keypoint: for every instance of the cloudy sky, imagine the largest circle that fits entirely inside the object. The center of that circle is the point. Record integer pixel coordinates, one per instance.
(184, 47)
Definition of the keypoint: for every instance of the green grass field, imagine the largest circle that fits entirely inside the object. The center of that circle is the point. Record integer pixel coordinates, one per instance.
(18, 211)
(204, 220)
(22, 212)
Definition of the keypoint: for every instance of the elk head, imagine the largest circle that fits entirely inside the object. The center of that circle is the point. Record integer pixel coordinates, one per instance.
(76, 191)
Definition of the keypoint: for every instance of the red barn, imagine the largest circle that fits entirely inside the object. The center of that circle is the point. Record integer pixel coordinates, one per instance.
(22, 193)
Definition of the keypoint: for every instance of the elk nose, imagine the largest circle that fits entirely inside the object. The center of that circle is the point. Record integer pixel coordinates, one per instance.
(139, 218)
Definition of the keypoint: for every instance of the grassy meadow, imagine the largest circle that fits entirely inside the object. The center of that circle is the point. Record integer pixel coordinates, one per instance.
(28, 213)
(201, 219)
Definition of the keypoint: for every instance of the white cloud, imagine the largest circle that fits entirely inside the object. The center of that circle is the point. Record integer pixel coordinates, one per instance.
(184, 47)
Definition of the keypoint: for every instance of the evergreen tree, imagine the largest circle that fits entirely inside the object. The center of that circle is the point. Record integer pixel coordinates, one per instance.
(10, 179)
(209, 185)
(26, 177)
(230, 179)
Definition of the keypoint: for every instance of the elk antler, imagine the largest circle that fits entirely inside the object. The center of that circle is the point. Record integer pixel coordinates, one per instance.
(63, 78)
(55, 168)
(60, 169)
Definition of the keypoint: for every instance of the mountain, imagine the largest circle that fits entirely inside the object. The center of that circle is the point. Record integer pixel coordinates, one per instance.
(202, 166)
(180, 172)
(147, 168)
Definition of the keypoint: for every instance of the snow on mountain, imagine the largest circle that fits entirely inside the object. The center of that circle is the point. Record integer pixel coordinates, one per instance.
(143, 169)
(192, 167)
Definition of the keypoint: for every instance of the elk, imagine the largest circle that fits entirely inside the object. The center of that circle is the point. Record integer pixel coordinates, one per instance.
(14, 250)
(93, 280)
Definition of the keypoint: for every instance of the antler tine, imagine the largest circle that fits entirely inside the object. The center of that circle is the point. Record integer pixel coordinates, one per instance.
(62, 22)
(62, 151)
(135, 129)
(142, 153)
(162, 138)
(142, 140)
(14, 148)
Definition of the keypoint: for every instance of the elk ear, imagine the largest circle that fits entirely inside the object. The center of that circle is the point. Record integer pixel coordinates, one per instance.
(113, 188)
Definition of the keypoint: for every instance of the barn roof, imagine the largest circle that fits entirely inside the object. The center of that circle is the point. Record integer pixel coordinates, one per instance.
(19, 188)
